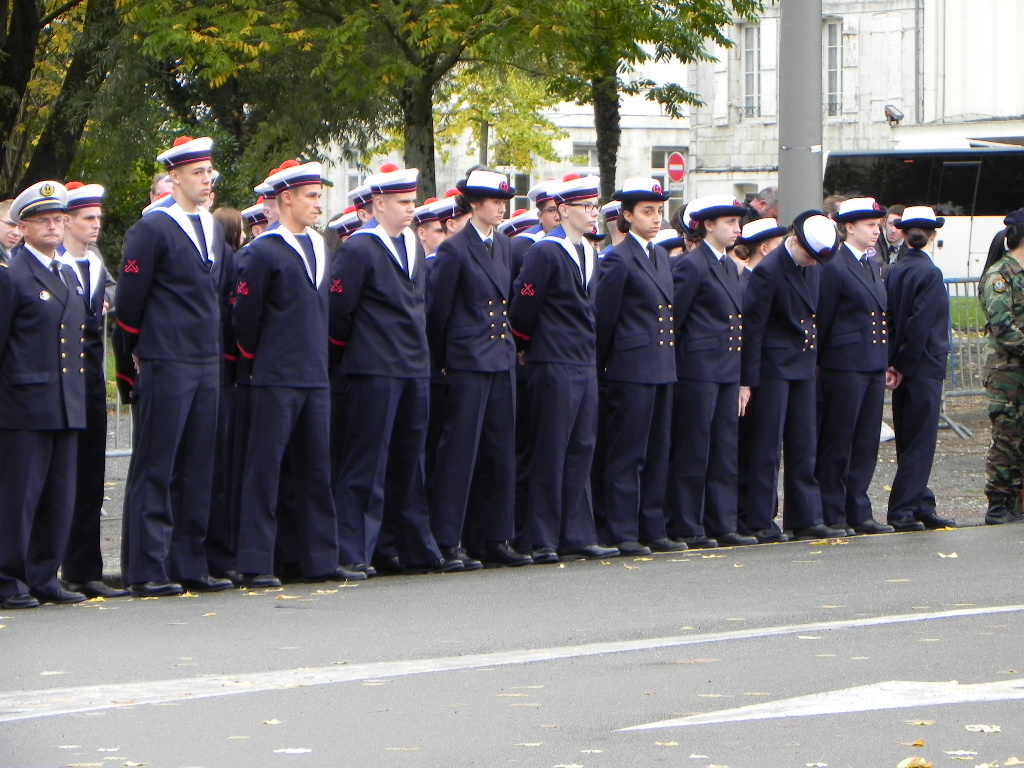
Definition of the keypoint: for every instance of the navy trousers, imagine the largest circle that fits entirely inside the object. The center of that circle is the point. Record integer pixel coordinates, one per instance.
(381, 471)
(702, 496)
(37, 498)
(849, 424)
(296, 421)
(638, 418)
(83, 560)
(916, 403)
(164, 526)
(222, 530)
(783, 421)
(563, 418)
(479, 422)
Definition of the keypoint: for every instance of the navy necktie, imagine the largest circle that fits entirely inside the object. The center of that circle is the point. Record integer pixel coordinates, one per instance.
(83, 267)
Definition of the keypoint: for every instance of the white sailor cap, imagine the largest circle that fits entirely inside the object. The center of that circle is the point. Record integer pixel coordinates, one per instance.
(539, 193)
(392, 180)
(921, 217)
(857, 208)
(346, 223)
(40, 197)
(254, 214)
(166, 200)
(520, 221)
(434, 210)
(611, 210)
(575, 187)
(487, 184)
(292, 173)
(760, 229)
(639, 189)
(817, 234)
(669, 239)
(84, 195)
(186, 150)
(711, 207)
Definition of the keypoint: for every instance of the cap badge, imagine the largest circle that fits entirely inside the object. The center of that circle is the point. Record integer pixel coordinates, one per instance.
(656, 189)
(47, 190)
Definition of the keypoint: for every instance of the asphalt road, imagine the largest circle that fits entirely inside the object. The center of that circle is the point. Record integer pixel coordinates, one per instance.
(546, 666)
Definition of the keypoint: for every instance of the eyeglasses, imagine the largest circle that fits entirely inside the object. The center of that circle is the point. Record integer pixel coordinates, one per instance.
(9, 224)
(549, 209)
(46, 221)
(588, 207)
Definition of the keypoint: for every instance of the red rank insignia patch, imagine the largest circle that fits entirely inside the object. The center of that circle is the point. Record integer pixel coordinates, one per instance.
(243, 289)
(336, 286)
(527, 289)
(131, 267)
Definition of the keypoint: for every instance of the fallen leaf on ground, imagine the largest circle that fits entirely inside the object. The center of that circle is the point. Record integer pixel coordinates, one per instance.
(271, 722)
(326, 592)
(709, 695)
(287, 597)
(896, 581)
(698, 757)
(50, 672)
(591, 751)
(757, 693)
(808, 637)
(951, 554)
(737, 565)
(629, 567)
(527, 687)
(97, 599)
(920, 722)
(918, 743)
(1013, 761)
(737, 619)
(711, 557)
(292, 751)
(568, 765)
(643, 559)
(239, 737)
(961, 753)
(512, 695)
(130, 764)
(109, 749)
(70, 746)
(914, 762)
(983, 728)
(666, 743)
(529, 743)
(403, 749)
(561, 565)
(207, 615)
(606, 562)
(547, 726)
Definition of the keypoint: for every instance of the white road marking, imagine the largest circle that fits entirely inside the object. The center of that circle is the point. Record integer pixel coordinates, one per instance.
(895, 694)
(23, 705)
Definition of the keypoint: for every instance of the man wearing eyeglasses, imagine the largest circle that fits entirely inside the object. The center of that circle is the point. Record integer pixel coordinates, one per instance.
(42, 402)
(552, 319)
(10, 236)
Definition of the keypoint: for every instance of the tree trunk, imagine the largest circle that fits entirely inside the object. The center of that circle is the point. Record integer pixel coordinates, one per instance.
(605, 95)
(17, 56)
(483, 138)
(63, 130)
(417, 102)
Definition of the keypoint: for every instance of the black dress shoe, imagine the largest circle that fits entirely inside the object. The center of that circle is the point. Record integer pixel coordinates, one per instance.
(934, 522)
(442, 565)
(96, 589)
(631, 549)
(366, 568)
(666, 544)
(591, 552)
(905, 525)
(207, 584)
(23, 600)
(58, 596)
(734, 540)
(388, 565)
(460, 554)
(769, 536)
(260, 580)
(498, 554)
(700, 542)
(850, 531)
(341, 573)
(870, 526)
(544, 556)
(812, 532)
(289, 573)
(155, 589)
(233, 576)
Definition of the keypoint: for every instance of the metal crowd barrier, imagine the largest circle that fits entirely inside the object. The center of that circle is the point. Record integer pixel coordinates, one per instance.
(968, 346)
(119, 416)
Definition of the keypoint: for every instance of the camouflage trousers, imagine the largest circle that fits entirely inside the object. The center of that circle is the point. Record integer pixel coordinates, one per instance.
(1004, 467)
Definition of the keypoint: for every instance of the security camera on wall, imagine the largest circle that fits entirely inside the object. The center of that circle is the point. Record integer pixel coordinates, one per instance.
(893, 115)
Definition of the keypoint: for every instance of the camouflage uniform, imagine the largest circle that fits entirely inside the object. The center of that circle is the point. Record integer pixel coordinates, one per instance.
(1001, 291)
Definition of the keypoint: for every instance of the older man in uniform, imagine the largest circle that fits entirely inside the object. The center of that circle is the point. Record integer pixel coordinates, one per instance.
(169, 299)
(42, 402)
(853, 355)
(378, 322)
(10, 235)
(552, 318)
(83, 563)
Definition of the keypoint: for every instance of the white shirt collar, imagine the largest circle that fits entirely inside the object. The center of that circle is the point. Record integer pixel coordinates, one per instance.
(483, 235)
(44, 260)
(643, 243)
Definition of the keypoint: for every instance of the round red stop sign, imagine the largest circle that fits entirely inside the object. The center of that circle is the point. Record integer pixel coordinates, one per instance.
(676, 166)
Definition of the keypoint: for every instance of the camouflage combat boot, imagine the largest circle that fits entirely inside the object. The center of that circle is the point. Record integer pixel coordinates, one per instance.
(1004, 509)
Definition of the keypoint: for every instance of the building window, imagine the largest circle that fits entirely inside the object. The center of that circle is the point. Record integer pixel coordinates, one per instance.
(833, 68)
(521, 181)
(750, 54)
(585, 156)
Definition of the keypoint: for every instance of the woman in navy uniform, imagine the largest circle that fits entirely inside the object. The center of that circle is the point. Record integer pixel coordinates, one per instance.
(42, 402)
(553, 321)
(471, 343)
(169, 298)
(708, 311)
(635, 356)
(778, 366)
(378, 324)
(853, 354)
(918, 350)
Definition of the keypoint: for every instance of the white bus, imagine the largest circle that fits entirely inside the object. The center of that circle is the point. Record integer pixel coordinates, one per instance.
(972, 187)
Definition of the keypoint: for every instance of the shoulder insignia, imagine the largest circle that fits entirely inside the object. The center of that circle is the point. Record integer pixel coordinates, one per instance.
(999, 284)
